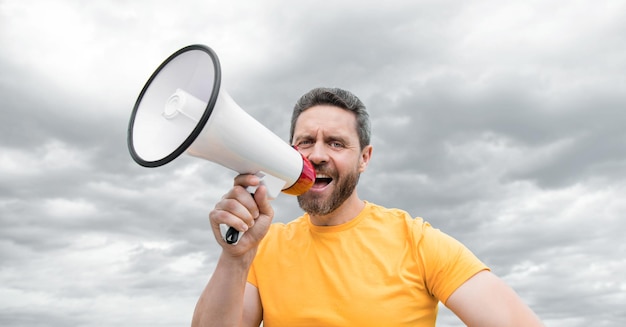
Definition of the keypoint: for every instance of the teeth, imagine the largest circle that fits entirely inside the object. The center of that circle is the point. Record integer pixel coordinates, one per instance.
(322, 176)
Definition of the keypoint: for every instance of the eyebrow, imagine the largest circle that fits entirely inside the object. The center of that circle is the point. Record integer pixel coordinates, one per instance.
(307, 136)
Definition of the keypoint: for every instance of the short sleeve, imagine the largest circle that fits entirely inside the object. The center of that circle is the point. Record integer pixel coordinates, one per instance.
(447, 262)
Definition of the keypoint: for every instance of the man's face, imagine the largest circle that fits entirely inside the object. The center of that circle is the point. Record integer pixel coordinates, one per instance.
(327, 136)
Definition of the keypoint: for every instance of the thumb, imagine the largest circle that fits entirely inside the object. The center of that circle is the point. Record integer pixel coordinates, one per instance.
(266, 212)
(263, 202)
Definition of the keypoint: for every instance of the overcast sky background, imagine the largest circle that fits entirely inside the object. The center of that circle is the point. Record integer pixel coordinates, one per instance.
(500, 122)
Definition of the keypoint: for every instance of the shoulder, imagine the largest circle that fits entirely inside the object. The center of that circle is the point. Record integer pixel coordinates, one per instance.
(414, 227)
(378, 212)
(280, 232)
(445, 262)
(297, 224)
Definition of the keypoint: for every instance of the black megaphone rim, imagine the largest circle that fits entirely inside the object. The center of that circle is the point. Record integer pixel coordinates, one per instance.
(201, 123)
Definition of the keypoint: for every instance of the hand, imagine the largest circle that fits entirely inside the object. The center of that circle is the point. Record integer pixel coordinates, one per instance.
(244, 212)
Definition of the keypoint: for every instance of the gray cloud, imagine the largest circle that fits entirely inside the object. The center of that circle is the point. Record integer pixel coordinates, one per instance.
(499, 123)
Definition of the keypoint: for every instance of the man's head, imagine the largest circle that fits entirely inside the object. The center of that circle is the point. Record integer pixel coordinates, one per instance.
(338, 98)
(331, 128)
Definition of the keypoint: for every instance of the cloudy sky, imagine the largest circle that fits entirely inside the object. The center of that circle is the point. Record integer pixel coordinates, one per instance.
(500, 122)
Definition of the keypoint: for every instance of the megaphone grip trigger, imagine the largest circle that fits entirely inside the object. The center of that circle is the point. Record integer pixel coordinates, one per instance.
(230, 234)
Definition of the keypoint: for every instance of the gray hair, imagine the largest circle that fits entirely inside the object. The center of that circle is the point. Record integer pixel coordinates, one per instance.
(339, 98)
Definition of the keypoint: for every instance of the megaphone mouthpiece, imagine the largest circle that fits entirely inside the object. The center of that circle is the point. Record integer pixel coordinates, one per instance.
(305, 181)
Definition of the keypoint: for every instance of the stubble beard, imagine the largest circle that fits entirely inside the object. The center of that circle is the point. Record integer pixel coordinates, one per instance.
(317, 205)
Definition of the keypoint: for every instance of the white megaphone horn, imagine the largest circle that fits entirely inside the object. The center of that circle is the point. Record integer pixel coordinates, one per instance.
(182, 109)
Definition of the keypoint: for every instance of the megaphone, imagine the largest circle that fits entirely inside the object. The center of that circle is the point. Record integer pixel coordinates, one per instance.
(182, 108)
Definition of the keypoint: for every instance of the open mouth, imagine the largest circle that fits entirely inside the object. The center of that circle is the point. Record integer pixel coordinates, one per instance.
(322, 181)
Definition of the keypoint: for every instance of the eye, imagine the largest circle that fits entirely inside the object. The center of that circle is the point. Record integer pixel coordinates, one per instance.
(336, 144)
(304, 143)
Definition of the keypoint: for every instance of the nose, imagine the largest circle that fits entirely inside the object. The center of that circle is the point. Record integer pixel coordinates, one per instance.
(317, 154)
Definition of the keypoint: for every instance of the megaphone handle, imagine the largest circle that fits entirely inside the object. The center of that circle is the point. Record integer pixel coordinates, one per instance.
(230, 234)
(273, 184)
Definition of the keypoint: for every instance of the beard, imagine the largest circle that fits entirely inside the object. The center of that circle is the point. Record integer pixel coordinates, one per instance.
(317, 205)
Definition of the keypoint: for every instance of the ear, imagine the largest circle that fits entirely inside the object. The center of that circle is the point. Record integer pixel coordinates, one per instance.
(366, 155)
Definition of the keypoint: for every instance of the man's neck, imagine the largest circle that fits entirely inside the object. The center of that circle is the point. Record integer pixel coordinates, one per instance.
(348, 210)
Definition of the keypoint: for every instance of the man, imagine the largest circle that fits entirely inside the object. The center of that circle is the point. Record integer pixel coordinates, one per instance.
(345, 262)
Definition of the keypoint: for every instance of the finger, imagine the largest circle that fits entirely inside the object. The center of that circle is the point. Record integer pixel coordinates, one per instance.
(240, 208)
(263, 203)
(221, 217)
(246, 180)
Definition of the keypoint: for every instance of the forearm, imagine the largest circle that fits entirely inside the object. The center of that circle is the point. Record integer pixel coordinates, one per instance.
(226, 301)
(221, 302)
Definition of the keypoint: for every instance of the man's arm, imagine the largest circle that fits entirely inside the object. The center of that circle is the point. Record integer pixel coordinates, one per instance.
(485, 300)
(222, 303)
(253, 309)
(228, 299)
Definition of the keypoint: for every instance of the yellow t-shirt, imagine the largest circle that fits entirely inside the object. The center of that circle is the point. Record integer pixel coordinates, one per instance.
(382, 268)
